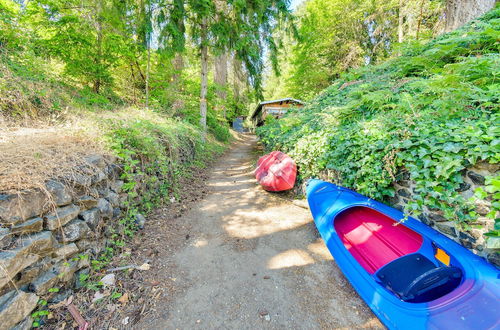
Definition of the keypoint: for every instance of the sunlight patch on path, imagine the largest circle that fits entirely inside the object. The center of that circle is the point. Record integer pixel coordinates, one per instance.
(290, 258)
(255, 223)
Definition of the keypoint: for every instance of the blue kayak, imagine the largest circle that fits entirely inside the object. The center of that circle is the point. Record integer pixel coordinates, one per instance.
(411, 276)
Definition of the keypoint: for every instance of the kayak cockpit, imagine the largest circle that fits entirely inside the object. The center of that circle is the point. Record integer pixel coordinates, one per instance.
(373, 238)
(392, 253)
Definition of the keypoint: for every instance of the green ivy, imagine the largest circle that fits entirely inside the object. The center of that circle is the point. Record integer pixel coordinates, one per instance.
(427, 115)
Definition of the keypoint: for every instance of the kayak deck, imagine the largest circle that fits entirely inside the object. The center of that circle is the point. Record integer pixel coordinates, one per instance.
(373, 238)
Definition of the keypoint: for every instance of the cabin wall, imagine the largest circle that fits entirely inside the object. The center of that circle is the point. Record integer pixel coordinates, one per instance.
(284, 106)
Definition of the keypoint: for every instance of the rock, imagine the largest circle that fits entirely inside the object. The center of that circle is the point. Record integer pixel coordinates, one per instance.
(103, 190)
(116, 186)
(485, 166)
(404, 183)
(463, 187)
(91, 246)
(62, 272)
(393, 200)
(31, 226)
(15, 208)
(467, 194)
(86, 202)
(25, 324)
(81, 277)
(105, 208)
(447, 228)
(98, 176)
(465, 236)
(74, 231)
(84, 262)
(117, 212)
(476, 233)
(96, 160)
(487, 223)
(66, 270)
(91, 217)
(108, 280)
(60, 193)
(123, 198)
(12, 262)
(403, 192)
(482, 207)
(29, 250)
(476, 177)
(61, 296)
(494, 258)
(493, 243)
(15, 306)
(437, 217)
(66, 250)
(80, 180)
(30, 273)
(5, 238)
(425, 219)
(125, 320)
(140, 220)
(37, 243)
(44, 282)
(113, 198)
(113, 170)
(61, 216)
(466, 244)
(399, 207)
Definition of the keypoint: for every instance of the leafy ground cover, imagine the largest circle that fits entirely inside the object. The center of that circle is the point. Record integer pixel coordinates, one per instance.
(427, 114)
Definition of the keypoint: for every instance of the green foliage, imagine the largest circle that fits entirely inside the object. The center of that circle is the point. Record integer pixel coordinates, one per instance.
(65, 55)
(429, 114)
(154, 155)
(337, 35)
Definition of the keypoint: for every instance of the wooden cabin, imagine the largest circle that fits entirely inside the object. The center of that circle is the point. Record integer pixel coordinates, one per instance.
(276, 108)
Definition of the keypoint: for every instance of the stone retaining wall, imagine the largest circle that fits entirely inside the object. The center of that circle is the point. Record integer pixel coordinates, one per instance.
(473, 239)
(49, 235)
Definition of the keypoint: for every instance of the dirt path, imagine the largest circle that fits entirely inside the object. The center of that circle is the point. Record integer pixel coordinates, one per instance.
(251, 259)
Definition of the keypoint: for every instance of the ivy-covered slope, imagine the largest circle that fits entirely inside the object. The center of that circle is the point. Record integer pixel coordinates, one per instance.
(428, 114)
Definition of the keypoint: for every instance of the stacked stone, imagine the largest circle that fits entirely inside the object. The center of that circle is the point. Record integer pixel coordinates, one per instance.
(44, 234)
(472, 239)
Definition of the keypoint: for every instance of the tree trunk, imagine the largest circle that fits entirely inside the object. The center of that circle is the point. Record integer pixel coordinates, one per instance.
(400, 22)
(98, 58)
(204, 79)
(420, 18)
(459, 12)
(148, 69)
(148, 46)
(178, 64)
(237, 78)
(220, 79)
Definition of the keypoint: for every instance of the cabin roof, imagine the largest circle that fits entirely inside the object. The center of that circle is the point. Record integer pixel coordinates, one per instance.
(261, 104)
